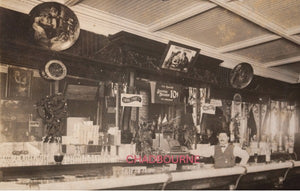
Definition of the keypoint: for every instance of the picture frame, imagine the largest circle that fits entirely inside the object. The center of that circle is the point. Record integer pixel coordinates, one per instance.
(179, 57)
(19, 83)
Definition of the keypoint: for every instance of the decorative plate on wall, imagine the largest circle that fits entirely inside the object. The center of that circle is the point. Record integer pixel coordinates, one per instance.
(241, 75)
(55, 26)
(54, 70)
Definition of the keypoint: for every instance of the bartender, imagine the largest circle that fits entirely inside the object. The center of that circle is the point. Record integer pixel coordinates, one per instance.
(224, 154)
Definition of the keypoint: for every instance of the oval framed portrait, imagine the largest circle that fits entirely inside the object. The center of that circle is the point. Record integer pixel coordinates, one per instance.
(55, 26)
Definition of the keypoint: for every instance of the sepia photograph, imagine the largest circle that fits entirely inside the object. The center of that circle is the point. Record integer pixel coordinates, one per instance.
(149, 95)
(179, 57)
(19, 83)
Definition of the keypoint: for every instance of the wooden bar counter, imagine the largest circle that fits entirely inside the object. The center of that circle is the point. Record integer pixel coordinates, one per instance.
(252, 176)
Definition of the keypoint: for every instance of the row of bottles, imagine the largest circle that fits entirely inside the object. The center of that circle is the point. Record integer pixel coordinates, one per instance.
(51, 153)
(38, 160)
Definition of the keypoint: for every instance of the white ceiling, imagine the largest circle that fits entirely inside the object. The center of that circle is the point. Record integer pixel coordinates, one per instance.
(264, 33)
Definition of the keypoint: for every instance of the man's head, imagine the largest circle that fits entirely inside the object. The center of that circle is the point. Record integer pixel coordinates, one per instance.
(223, 137)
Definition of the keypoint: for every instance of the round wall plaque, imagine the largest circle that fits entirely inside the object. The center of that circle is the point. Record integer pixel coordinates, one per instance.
(55, 70)
(241, 75)
(55, 26)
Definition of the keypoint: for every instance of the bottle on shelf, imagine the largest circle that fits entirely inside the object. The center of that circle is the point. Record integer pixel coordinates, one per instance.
(255, 156)
(268, 154)
(291, 146)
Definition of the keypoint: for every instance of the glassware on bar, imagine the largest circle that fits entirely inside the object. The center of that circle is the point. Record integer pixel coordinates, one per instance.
(255, 157)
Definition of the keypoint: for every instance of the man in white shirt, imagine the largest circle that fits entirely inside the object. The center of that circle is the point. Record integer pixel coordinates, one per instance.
(224, 153)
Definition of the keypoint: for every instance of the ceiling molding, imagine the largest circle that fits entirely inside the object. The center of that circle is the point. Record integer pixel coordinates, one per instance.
(71, 2)
(117, 23)
(248, 43)
(261, 70)
(19, 6)
(282, 62)
(102, 23)
(293, 31)
(104, 16)
(184, 14)
(64, 2)
(3, 68)
(279, 74)
(255, 18)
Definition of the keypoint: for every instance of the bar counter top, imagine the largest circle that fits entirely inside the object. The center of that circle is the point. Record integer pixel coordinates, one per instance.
(296, 163)
(160, 179)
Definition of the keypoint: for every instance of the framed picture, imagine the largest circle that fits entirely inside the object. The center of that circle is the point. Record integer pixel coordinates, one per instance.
(19, 83)
(179, 57)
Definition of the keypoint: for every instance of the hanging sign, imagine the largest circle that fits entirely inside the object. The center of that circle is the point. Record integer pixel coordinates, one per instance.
(216, 102)
(131, 100)
(208, 108)
(165, 93)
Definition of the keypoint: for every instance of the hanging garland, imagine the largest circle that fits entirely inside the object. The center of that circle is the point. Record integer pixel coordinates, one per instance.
(52, 109)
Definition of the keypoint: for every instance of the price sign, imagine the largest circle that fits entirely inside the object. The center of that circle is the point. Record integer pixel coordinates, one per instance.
(165, 93)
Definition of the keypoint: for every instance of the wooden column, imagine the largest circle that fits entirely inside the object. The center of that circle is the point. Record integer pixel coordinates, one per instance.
(56, 87)
(100, 105)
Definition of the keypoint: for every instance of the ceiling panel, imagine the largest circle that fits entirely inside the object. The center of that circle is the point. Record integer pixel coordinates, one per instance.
(144, 12)
(293, 67)
(271, 51)
(217, 27)
(285, 13)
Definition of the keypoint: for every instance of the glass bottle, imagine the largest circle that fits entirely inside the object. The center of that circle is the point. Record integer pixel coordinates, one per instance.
(268, 154)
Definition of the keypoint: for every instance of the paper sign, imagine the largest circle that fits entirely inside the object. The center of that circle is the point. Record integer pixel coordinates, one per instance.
(216, 102)
(165, 93)
(34, 123)
(131, 100)
(208, 108)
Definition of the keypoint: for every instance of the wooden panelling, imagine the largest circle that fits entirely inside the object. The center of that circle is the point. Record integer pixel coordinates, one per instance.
(3, 78)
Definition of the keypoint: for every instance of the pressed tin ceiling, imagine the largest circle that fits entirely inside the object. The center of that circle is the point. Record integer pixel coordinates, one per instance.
(270, 51)
(217, 27)
(141, 11)
(290, 67)
(285, 13)
(263, 33)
